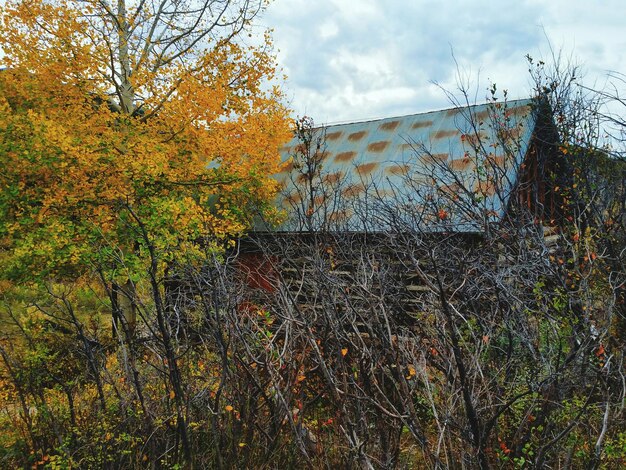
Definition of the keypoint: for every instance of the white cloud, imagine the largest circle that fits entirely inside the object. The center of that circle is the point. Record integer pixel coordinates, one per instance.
(328, 30)
(351, 60)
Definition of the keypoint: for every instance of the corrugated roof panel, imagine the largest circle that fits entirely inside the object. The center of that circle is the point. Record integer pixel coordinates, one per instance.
(381, 162)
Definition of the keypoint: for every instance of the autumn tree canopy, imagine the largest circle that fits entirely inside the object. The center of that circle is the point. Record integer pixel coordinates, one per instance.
(127, 117)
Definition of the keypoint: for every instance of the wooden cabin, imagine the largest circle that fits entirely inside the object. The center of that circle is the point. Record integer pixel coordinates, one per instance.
(450, 173)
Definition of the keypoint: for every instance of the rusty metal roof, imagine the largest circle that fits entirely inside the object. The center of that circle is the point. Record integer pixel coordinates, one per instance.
(366, 171)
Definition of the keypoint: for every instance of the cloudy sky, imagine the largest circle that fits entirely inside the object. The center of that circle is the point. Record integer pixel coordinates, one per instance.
(360, 59)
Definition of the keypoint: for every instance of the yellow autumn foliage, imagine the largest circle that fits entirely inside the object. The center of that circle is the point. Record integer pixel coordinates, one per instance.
(108, 129)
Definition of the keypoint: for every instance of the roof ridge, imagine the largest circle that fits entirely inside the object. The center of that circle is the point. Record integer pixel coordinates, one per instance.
(424, 113)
